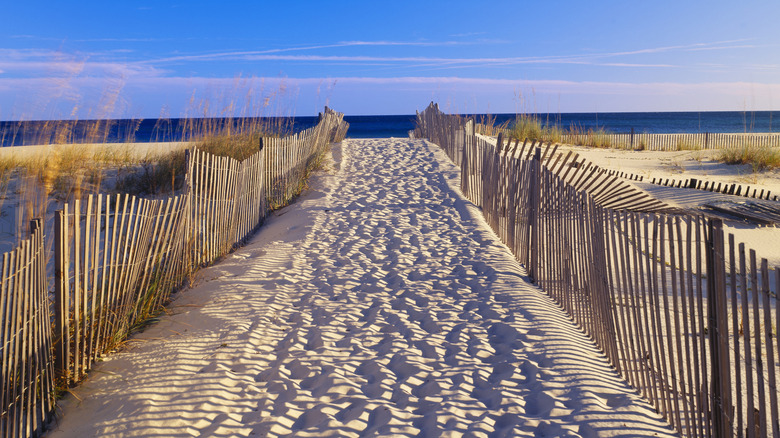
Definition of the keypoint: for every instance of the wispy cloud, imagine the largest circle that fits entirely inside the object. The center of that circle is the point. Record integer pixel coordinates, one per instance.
(36, 62)
(351, 92)
(605, 59)
(123, 40)
(237, 55)
(716, 45)
(467, 34)
(401, 43)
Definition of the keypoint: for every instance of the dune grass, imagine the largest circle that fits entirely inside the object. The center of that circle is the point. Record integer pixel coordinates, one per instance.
(597, 138)
(531, 127)
(761, 158)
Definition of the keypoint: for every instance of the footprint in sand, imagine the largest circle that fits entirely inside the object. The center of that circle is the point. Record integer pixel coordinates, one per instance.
(403, 368)
(451, 355)
(501, 371)
(400, 397)
(352, 411)
(478, 349)
(430, 388)
(613, 400)
(314, 339)
(323, 378)
(285, 392)
(539, 403)
(427, 350)
(378, 418)
(488, 396)
(298, 370)
(454, 336)
(504, 338)
(429, 426)
(486, 312)
(311, 417)
(504, 425)
(530, 371)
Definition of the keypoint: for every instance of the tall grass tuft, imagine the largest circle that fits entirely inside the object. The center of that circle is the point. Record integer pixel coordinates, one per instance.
(158, 175)
(597, 138)
(239, 146)
(759, 157)
(531, 127)
(683, 145)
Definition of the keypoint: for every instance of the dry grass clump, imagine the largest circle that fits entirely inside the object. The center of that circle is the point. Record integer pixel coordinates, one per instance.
(531, 127)
(58, 174)
(238, 146)
(683, 145)
(759, 157)
(72, 170)
(164, 174)
(51, 132)
(597, 138)
(7, 167)
(159, 175)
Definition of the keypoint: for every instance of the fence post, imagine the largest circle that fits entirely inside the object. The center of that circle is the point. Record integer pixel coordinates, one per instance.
(533, 214)
(189, 222)
(61, 296)
(35, 224)
(718, 330)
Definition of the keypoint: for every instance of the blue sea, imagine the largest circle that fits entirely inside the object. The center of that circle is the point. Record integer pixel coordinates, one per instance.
(14, 133)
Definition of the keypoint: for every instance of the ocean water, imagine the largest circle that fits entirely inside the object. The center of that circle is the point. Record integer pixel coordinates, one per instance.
(16, 133)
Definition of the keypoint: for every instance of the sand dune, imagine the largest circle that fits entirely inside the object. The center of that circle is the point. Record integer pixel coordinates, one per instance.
(379, 304)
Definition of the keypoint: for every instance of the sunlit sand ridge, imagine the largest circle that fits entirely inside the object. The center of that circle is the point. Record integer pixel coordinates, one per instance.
(378, 304)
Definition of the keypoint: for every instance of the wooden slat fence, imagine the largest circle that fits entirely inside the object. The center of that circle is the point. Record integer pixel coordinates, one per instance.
(118, 258)
(228, 202)
(660, 142)
(27, 383)
(710, 186)
(449, 132)
(694, 183)
(687, 316)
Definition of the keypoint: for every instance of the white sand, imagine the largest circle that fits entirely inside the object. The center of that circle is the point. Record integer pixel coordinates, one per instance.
(701, 165)
(680, 165)
(379, 304)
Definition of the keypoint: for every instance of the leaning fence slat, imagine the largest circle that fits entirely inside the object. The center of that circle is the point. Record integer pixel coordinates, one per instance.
(86, 344)
(735, 321)
(751, 423)
(75, 237)
(776, 420)
(17, 398)
(770, 349)
(760, 384)
(62, 294)
(7, 328)
(677, 332)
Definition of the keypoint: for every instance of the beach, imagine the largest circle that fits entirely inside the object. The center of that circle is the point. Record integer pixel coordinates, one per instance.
(704, 166)
(380, 303)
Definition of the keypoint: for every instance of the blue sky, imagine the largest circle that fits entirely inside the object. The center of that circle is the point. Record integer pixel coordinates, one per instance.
(147, 59)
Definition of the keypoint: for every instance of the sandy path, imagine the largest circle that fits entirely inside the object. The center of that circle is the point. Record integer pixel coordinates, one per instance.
(379, 304)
